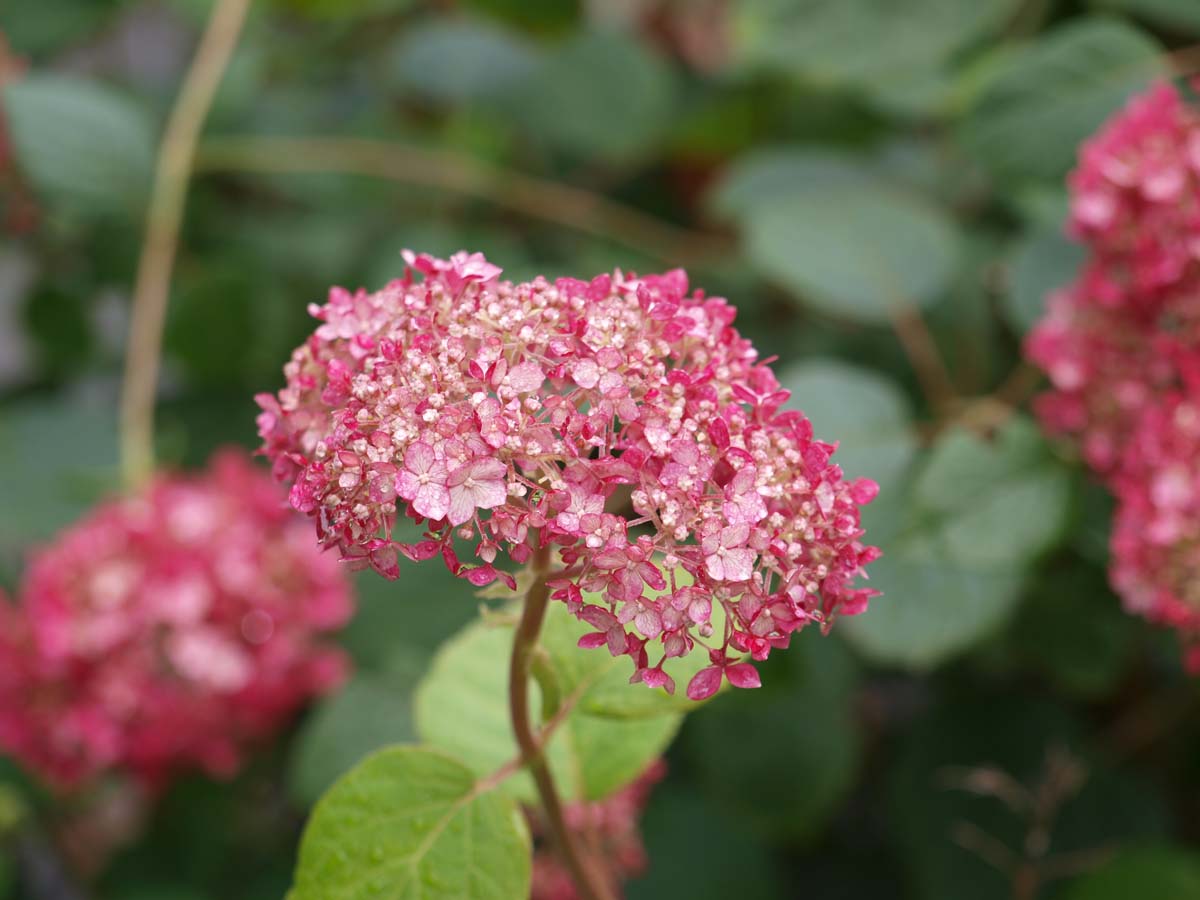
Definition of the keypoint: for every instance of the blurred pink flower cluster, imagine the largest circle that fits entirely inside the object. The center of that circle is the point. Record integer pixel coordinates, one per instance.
(169, 630)
(620, 423)
(609, 829)
(1121, 346)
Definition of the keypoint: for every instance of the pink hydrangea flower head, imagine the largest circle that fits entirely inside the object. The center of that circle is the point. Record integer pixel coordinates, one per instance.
(169, 630)
(620, 425)
(610, 827)
(1155, 542)
(1128, 327)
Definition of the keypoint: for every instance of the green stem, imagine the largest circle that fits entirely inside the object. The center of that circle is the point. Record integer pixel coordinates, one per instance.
(591, 884)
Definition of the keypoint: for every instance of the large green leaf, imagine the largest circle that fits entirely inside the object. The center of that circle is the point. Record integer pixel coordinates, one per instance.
(462, 706)
(978, 514)
(761, 176)
(454, 61)
(411, 822)
(1150, 871)
(1043, 260)
(1039, 104)
(601, 95)
(868, 43)
(856, 251)
(82, 144)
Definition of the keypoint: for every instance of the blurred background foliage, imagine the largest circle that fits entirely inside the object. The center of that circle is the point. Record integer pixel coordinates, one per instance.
(879, 187)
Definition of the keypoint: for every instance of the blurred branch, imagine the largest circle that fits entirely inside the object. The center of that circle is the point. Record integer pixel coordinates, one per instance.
(559, 204)
(921, 349)
(163, 221)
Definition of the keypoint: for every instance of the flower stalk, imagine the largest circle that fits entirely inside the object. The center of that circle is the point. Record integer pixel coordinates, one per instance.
(589, 881)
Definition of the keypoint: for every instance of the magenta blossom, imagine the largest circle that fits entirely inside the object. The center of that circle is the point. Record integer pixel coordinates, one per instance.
(169, 631)
(621, 425)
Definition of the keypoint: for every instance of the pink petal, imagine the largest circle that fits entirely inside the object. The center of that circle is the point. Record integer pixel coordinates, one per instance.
(704, 683)
(433, 502)
(743, 675)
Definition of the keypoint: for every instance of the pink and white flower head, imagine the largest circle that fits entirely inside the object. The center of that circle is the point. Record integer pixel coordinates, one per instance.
(1155, 541)
(169, 630)
(621, 424)
(610, 827)
(1117, 337)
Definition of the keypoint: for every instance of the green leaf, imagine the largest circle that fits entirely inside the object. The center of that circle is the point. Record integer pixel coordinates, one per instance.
(804, 714)
(462, 707)
(761, 176)
(855, 251)
(413, 822)
(1043, 261)
(1039, 104)
(978, 514)
(455, 61)
(1181, 15)
(83, 145)
(867, 43)
(56, 458)
(369, 713)
(601, 95)
(1152, 871)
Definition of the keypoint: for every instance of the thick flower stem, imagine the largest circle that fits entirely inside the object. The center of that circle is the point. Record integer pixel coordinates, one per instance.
(163, 221)
(591, 884)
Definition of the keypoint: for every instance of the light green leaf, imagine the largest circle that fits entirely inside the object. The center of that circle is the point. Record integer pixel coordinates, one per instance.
(978, 514)
(1152, 871)
(1043, 260)
(454, 61)
(411, 822)
(82, 144)
(1039, 104)
(600, 95)
(855, 251)
(761, 176)
(866, 43)
(462, 706)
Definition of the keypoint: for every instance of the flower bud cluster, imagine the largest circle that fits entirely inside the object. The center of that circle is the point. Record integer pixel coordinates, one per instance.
(169, 630)
(620, 425)
(1121, 347)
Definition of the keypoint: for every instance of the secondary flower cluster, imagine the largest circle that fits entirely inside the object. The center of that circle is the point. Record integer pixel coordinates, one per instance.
(168, 630)
(621, 426)
(608, 828)
(1121, 346)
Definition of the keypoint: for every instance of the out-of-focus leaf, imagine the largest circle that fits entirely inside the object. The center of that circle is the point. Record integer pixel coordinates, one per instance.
(601, 95)
(931, 811)
(855, 251)
(83, 145)
(535, 15)
(368, 714)
(462, 707)
(1042, 261)
(49, 26)
(1180, 15)
(456, 61)
(867, 43)
(413, 822)
(1151, 871)
(978, 514)
(1031, 115)
(807, 698)
(56, 457)
(761, 176)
